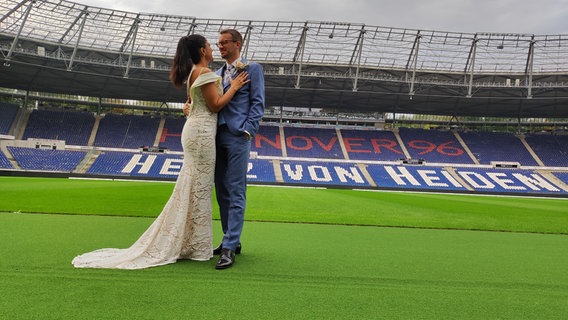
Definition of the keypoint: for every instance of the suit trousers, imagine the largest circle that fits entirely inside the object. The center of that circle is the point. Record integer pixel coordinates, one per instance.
(230, 183)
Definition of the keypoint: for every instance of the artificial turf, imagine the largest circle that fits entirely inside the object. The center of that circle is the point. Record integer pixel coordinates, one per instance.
(286, 271)
(305, 205)
(327, 269)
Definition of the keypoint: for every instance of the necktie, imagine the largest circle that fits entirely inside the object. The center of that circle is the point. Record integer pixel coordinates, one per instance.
(228, 74)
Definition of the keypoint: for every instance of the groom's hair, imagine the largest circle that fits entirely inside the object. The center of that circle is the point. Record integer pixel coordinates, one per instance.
(235, 35)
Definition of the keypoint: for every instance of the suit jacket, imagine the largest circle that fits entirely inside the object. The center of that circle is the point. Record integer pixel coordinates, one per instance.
(244, 111)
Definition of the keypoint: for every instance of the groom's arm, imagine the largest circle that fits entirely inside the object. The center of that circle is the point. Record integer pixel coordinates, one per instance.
(256, 98)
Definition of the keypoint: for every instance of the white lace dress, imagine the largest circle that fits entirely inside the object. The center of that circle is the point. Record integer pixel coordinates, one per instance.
(183, 229)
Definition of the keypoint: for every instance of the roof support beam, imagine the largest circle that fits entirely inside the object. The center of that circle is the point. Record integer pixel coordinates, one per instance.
(191, 27)
(299, 56)
(9, 13)
(529, 67)
(413, 61)
(132, 45)
(85, 14)
(132, 30)
(17, 37)
(247, 39)
(471, 65)
(358, 50)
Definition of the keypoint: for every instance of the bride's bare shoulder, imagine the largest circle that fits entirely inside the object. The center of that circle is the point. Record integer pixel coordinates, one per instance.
(205, 70)
(198, 72)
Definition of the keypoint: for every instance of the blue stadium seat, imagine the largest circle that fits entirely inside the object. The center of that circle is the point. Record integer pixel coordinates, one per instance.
(47, 159)
(171, 134)
(261, 171)
(116, 163)
(507, 181)
(267, 141)
(312, 143)
(322, 173)
(551, 149)
(4, 162)
(563, 176)
(371, 145)
(435, 146)
(126, 131)
(74, 127)
(8, 112)
(497, 146)
(413, 177)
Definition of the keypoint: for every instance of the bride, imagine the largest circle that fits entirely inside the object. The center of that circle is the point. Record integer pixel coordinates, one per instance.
(183, 228)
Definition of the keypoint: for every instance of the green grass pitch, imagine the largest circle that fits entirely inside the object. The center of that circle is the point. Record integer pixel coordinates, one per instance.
(307, 254)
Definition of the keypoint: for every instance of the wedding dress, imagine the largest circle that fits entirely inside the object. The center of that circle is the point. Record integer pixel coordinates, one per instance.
(183, 229)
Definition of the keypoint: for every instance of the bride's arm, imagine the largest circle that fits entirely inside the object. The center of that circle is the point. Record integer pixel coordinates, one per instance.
(214, 101)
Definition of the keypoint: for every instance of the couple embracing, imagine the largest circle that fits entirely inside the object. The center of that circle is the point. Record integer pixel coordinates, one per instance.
(223, 112)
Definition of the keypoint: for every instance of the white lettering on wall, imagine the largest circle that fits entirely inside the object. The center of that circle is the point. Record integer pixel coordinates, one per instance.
(535, 181)
(249, 168)
(506, 184)
(135, 161)
(429, 176)
(323, 175)
(294, 174)
(354, 174)
(171, 167)
(451, 179)
(403, 174)
(476, 180)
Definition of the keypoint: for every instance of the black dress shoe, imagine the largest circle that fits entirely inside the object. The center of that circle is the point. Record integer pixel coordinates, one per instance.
(226, 259)
(217, 251)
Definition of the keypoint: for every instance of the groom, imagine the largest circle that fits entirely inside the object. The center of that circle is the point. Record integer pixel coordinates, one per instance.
(238, 122)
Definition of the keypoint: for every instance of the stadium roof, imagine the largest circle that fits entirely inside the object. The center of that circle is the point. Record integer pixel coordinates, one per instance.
(70, 48)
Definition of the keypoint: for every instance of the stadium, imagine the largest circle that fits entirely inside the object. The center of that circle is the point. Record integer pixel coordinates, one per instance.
(84, 93)
(341, 75)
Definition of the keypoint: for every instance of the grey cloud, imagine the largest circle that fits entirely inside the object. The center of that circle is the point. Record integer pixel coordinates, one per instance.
(507, 16)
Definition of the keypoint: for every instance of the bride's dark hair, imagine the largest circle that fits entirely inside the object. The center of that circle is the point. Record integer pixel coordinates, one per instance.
(187, 55)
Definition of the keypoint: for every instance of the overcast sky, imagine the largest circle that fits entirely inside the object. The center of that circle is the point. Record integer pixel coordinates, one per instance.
(499, 16)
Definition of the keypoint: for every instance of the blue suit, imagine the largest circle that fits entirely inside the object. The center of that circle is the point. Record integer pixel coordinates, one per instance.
(242, 114)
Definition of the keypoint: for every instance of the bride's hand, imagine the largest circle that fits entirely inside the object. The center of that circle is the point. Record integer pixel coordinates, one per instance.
(186, 106)
(239, 80)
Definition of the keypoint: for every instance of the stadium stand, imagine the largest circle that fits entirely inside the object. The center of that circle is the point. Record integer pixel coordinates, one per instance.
(8, 112)
(267, 141)
(497, 146)
(371, 145)
(116, 163)
(110, 163)
(563, 176)
(322, 173)
(507, 181)
(126, 131)
(47, 159)
(312, 143)
(4, 162)
(434, 146)
(551, 149)
(414, 178)
(171, 134)
(74, 127)
(310, 156)
(162, 166)
(321, 118)
(261, 171)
